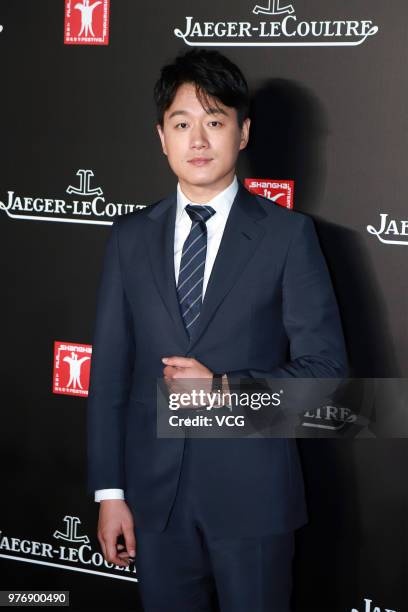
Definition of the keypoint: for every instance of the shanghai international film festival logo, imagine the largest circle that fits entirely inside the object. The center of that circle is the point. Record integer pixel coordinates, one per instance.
(71, 371)
(275, 23)
(86, 205)
(280, 192)
(68, 549)
(86, 22)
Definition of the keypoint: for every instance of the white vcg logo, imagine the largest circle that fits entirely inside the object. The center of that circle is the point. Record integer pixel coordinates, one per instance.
(274, 8)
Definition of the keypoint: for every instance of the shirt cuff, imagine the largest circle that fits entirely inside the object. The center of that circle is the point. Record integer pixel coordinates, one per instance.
(101, 494)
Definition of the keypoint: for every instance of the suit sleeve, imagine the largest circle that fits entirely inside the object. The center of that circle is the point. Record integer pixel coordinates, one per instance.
(111, 374)
(310, 314)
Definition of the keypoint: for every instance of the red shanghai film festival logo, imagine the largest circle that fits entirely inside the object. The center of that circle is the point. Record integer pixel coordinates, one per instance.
(280, 192)
(72, 364)
(86, 22)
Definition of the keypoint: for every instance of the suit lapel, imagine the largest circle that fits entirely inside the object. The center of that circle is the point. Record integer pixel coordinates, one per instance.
(241, 238)
(160, 247)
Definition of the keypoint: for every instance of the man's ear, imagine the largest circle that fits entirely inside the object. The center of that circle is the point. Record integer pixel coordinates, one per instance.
(161, 135)
(244, 133)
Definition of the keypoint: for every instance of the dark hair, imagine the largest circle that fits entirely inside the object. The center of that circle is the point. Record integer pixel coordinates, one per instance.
(213, 75)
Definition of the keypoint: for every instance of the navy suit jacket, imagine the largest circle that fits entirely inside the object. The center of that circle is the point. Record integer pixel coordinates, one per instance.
(269, 310)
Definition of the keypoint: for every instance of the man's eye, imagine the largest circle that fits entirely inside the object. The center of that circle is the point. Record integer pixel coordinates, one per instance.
(215, 123)
(181, 125)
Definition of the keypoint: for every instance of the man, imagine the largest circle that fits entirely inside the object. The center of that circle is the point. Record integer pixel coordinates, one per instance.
(210, 281)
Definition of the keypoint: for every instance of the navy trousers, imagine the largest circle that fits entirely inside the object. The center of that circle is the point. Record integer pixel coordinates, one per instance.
(186, 569)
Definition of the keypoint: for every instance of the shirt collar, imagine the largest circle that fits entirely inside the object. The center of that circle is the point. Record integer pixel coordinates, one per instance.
(221, 203)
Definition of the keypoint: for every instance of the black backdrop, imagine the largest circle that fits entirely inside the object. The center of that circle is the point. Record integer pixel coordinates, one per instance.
(330, 117)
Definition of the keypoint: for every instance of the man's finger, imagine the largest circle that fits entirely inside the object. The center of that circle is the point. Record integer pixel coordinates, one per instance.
(102, 543)
(130, 540)
(124, 556)
(170, 371)
(111, 553)
(181, 362)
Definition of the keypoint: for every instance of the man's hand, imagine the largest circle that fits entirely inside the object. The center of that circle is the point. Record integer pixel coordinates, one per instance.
(184, 367)
(116, 519)
(178, 371)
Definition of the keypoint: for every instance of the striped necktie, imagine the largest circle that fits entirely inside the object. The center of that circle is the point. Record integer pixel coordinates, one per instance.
(192, 264)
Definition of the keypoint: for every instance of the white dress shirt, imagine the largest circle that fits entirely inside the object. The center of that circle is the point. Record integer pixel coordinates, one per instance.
(215, 228)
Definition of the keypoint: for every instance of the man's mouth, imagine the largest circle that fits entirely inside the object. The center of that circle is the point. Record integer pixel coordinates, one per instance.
(199, 161)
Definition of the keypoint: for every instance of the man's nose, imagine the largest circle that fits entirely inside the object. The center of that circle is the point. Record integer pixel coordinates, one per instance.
(198, 137)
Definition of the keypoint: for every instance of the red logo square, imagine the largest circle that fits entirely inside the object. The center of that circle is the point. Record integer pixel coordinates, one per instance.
(86, 22)
(72, 364)
(280, 192)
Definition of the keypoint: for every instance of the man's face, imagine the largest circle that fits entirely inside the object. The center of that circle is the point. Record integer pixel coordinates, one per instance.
(202, 147)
